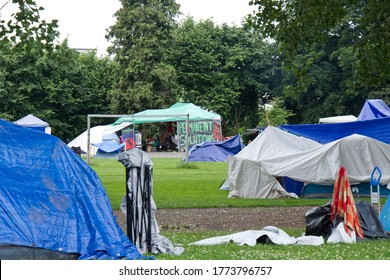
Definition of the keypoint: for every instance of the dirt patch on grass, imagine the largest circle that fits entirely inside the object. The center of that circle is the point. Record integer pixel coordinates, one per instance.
(227, 219)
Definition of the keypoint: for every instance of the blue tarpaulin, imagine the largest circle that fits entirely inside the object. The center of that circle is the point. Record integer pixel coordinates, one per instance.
(109, 146)
(378, 129)
(51, 199)
(374, 109)
(108, 149)
(373, 121)
(216, 151)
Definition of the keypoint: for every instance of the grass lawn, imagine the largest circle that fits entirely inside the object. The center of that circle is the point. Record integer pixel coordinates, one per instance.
(196, 186)
(176, 185)
(363, 250)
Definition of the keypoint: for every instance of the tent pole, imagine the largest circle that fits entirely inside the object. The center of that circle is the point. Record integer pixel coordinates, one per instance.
(89, 136)
(187, 128)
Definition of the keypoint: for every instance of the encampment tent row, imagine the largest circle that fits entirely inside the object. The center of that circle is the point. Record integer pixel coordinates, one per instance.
(275, 153)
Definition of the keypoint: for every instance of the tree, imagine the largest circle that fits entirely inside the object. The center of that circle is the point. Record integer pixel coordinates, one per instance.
(200, 57)
(26, 29)
(328, 88)
(49, 80)
(313, 22)
(276, 115)
(140, 38)
(224, 69)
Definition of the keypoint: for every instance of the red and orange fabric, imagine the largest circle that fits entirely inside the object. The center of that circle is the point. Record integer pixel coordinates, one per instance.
(343, 204)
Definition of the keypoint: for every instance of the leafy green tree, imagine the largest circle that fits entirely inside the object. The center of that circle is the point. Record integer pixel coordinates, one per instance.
(200, 58)
(328, 88)
(274, 116)
(223, 68)
(26, 29)
(313, 22)
(140, 38)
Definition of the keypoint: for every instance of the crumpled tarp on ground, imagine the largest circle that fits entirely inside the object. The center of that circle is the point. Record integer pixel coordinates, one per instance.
(269, 234)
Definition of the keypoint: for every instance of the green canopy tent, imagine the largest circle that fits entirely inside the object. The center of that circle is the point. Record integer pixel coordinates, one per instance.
(204, 125)
(171, 114)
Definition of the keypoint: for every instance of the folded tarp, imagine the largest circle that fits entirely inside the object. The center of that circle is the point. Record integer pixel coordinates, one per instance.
(216, 151)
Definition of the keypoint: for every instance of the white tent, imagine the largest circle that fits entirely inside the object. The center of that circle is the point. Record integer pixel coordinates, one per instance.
(32, 121)
(246, 175)
(252, 172)
(97, 134)
(357, 153)
(338, 119)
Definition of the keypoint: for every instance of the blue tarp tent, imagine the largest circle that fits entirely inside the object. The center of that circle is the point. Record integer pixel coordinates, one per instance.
(52, 201)
(217, 151)
(33, 122)
(374, 109)
(108, 149)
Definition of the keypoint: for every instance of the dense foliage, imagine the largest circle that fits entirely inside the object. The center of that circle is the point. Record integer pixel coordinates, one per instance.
(141, 36)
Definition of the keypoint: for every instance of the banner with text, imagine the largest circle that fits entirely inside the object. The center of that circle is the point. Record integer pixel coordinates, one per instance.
(199, 132)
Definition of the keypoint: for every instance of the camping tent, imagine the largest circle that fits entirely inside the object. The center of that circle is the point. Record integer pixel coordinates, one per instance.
(276, 153)
(98, 134)
(53, 203)
(245, 172)
(374, 109)
(204, 125)
(216, 151)
(33, 122)
(108, 149)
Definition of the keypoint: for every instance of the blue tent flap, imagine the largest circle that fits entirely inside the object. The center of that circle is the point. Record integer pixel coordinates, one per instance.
(216, 151)
(51, 199)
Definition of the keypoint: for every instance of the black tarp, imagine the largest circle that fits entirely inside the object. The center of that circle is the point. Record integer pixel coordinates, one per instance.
(318, 221)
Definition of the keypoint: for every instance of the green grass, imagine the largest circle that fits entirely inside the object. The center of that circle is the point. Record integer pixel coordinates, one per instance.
(176, 185)
(363, 250)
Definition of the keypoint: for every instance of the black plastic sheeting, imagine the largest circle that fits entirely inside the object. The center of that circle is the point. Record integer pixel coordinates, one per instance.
(318, 221)
(369, 221)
